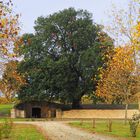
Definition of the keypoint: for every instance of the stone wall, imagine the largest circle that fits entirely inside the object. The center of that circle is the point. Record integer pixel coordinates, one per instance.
(83, 113)
(17, 113)
(94, 113)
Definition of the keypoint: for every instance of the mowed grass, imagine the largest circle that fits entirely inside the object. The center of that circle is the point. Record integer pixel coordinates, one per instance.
(5, 109)
(25, 132)
(118, 129)
(2, 119)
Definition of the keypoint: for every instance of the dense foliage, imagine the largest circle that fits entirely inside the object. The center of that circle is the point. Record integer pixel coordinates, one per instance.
(63, 57)
(119, 82)
(11, 81)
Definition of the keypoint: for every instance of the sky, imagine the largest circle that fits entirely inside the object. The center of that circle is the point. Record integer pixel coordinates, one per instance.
(30, 10)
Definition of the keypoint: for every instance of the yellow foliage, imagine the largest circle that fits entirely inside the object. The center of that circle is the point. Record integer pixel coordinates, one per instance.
(136, 38)
(118, 80)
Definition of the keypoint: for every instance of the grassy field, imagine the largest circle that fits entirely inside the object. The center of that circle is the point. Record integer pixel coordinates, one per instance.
(118, 129)
(25, 132)
(2, 119)
(5, 109)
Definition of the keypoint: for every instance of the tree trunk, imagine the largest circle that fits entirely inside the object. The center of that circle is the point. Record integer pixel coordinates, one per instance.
(76, 103)
(126, 108)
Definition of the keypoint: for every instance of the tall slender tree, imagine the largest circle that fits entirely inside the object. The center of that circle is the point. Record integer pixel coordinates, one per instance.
(118, 83)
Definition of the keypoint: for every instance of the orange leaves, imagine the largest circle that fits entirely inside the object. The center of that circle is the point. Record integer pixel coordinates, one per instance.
(138, 27)
(11, 80)
(9, 28)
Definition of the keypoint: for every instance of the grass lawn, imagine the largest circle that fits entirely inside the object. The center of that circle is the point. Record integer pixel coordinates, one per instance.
(25, 132)
(2, 119)
(5, 109)
(118, 129)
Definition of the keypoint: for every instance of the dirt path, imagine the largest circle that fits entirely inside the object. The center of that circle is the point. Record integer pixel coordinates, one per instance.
(61, 131)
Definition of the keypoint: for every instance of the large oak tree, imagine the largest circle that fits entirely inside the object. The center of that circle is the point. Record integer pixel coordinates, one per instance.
(63, 56)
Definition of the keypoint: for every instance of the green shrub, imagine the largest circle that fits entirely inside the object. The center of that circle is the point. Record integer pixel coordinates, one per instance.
(7, 128)
(134, 122)
(0, 132)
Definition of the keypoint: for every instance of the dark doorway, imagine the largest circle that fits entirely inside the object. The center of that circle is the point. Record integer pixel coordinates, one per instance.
(36, 112)
(53, 113)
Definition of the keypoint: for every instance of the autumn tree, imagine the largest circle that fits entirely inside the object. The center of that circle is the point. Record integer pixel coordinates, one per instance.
(122, 22)
(9, 39)
(63, 56)
(136, 42)
(9, 29)
(118, 83)
(122, 26)
(11, 80)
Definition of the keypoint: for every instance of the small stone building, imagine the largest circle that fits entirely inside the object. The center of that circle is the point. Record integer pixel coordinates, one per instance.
(54, 110)
(37, 109)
